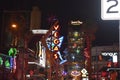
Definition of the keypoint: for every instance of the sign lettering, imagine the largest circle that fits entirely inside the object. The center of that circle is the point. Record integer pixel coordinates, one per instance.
(109, 54)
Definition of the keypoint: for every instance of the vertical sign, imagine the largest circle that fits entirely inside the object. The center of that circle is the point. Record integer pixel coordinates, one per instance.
(110, 9)
(42, 55)
(56, 41)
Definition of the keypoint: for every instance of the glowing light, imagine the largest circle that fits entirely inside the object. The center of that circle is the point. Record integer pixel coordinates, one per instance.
(39, 31)
(14, 26)
(12, 52)
(75, 73)
(56, 41)
(56, 27)
(31, 72)
(63, 61)
(1, 61)
(11, 62)
(76, 34)
(40, 48)
(56, 48)
(55, 55)
(56, 34)
(77, 51)
(42, 57)
(76, 22)
(84, 72)
(64, 73)
(7, 64)
(14, 63)
(115, 59)
(109, 54)
(51, 44)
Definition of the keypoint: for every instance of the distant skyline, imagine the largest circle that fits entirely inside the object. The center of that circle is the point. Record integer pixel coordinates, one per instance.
(107, 33)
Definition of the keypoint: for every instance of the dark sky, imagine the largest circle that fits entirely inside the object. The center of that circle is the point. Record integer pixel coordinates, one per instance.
(67, 10)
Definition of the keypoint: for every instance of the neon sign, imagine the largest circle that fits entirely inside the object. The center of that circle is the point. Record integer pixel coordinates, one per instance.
(109, 54)
(76, 22)
(84, 72)
(41, 54)
(75, 73)
(1, 61)
(12, 52)
(54, 42)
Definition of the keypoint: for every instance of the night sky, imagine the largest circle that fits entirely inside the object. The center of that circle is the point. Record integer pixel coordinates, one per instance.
(66, 10)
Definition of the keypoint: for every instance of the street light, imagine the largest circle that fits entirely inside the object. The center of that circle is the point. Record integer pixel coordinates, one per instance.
(15, 34)
(14, 27)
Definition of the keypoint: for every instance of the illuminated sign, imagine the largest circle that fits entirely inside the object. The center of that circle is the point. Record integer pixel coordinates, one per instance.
(84, 72)
(7, 64)
(109, 54)
(42, 58)
(39, 31)
(114, 55)
(13, 64)
(115, 59)
(41, 54)
(55, 55)
(76, 22)
(12, 52)
(75, 73)
(54, 42)
(56, 48)
(56, 34)
(56, 27)
(57, 42)
(110, 9)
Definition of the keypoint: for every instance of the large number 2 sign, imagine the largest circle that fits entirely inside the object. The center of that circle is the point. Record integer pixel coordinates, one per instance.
(110, 9)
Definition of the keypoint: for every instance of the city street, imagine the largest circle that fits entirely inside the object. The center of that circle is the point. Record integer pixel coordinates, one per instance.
(59, 40)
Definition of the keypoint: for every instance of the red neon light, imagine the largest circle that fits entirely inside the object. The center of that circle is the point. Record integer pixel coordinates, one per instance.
(56, 41)
(55, 55)
(56, 48)
(56, 34)
(56, 27)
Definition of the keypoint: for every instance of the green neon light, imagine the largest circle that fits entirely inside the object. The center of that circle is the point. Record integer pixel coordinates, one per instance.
(12, 52)
(77, 51)
(7, 64)
(1, 61)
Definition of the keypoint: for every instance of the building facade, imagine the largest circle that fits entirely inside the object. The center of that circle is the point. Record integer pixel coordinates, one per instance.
(103, 58)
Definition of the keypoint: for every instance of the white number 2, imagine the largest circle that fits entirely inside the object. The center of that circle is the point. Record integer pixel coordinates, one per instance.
(112, 6)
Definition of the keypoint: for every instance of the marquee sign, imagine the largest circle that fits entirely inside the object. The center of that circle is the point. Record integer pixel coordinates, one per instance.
(76, 22)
